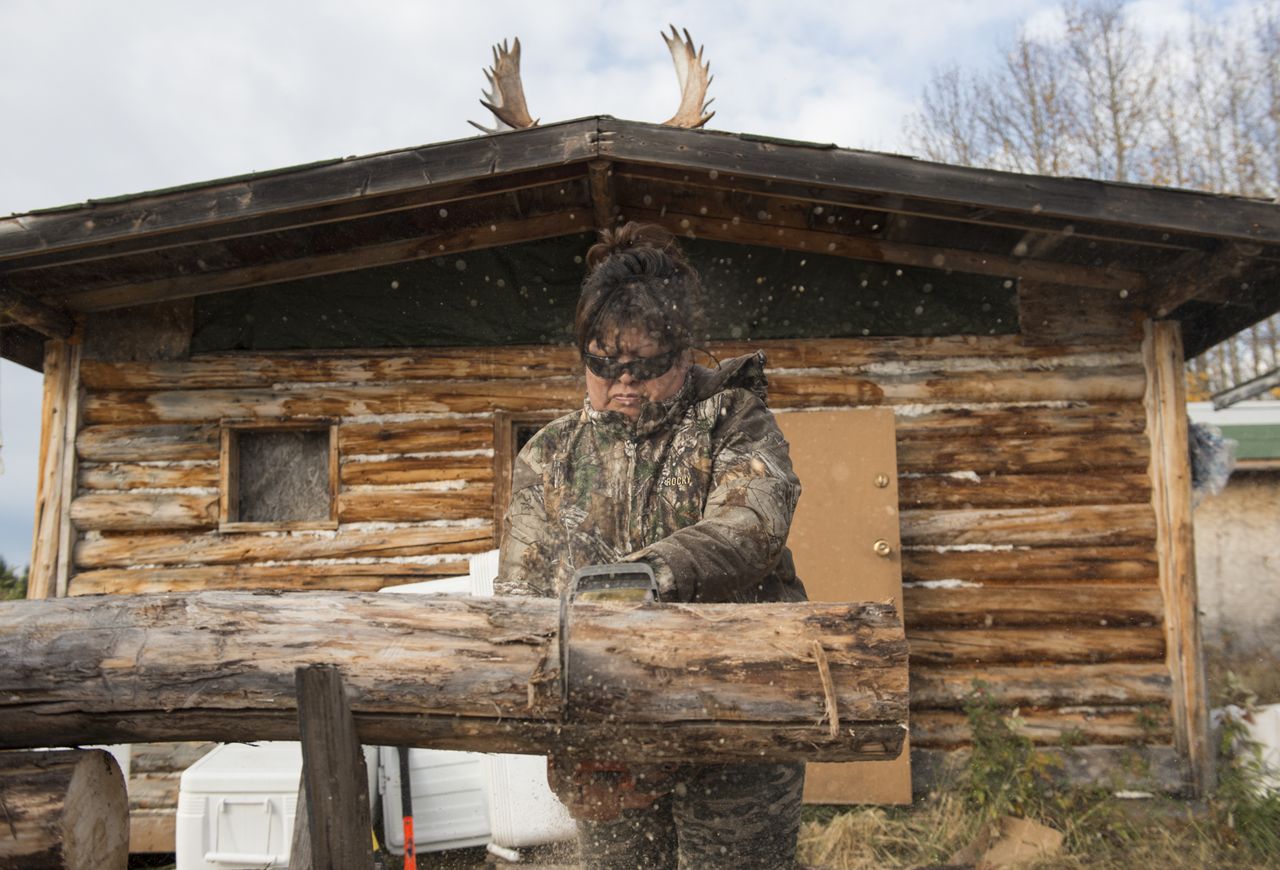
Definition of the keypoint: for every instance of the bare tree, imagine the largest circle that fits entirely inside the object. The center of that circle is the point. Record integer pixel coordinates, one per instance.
(1101, 99)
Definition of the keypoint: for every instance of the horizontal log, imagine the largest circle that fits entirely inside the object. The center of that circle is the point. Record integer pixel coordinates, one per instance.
(148, 443)
(391, 505)
(1020, 421)
(304, 576)
(419, 436)
(1032, 564)
(200, 442)
(837, 390)
(425, 469)
(565, 393)
(64, 809)
(265, 369)
(1146, 767)
(133, 512)
(996, 606)
(112, 551)
(1130, 683)
(942, 491)
(656, 682)
(1026, 455)
(444, 397)
(1102, 725)
(1078, 526)
(132, 475)
(1030, 645)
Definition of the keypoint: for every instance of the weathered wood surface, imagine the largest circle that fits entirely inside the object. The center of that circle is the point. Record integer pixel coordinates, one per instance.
(1057, 311)
(349, 577)
(1078, 526)
(64, 809)
(120, 551)
(1040, 685)
(1002, 606)
(962, 490)
(940, 353)
(1175, 546)
(738, 159)
(564, 393)
(729, 682)
(333, 773)
(1062, 644)
(199, 442)
(51, 493)
(1025, 455)
(1006, 564)
(133, 475)
(1101, 725)
(134, 511)
(162, 511)
(1136, 766)
(456, 397)
(398, 471)
(31, 312)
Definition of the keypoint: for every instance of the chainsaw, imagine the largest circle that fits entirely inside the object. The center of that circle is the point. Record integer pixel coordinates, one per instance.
(600, 790)
(620, 582)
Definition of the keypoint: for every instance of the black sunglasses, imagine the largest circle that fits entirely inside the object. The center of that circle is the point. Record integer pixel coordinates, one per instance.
(643, 368)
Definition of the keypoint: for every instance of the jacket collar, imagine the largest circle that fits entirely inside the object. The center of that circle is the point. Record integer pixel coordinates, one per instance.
(744, 372)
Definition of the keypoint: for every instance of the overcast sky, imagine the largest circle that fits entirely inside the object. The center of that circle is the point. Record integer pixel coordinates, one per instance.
(119, 96)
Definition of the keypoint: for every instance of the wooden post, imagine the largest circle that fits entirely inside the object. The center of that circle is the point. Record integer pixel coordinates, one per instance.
(1166, 404)
(59, 392)
(333, 772)
(64, 809)
(300, 846)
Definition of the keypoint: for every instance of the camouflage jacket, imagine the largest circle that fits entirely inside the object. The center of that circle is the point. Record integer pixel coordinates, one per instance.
(699, 486)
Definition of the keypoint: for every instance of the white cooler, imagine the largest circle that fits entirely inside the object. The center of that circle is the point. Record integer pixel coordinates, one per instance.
(236, 807)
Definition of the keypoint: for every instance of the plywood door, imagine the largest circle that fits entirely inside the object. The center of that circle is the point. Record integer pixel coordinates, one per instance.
(847, 464)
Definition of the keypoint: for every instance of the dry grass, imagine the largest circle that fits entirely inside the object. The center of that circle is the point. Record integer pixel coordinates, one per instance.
(870, 838)
(1102, 833)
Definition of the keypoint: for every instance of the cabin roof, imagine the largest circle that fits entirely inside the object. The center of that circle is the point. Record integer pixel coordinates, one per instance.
(1211, 261)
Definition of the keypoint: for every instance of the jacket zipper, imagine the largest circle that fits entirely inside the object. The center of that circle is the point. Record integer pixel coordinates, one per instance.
(629, 448)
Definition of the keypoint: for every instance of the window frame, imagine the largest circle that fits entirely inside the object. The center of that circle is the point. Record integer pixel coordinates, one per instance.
(505, 424)
(228, 467)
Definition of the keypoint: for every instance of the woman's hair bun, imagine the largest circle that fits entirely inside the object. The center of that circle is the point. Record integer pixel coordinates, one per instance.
(635, 238)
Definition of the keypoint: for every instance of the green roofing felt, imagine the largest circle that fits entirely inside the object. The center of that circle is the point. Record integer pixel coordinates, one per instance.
(1256, 442)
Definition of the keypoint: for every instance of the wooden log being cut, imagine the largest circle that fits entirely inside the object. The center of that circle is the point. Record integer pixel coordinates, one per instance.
(63, 809)
(665, 682)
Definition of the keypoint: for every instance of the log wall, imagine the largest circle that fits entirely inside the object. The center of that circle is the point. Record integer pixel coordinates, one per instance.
(1029, 538)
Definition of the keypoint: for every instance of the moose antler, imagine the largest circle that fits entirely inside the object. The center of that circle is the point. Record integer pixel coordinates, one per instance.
(694, 81)
(506, 95)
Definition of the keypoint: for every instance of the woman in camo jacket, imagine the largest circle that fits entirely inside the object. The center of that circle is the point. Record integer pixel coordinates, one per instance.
(684, 468)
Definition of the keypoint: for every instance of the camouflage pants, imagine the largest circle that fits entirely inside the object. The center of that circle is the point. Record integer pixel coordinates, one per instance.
(722, 815)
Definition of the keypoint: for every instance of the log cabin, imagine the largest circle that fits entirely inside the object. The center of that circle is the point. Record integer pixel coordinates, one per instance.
(385, 331)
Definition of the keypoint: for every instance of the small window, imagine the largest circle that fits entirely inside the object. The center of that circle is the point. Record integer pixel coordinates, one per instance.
(511, 431)
(279, 475)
